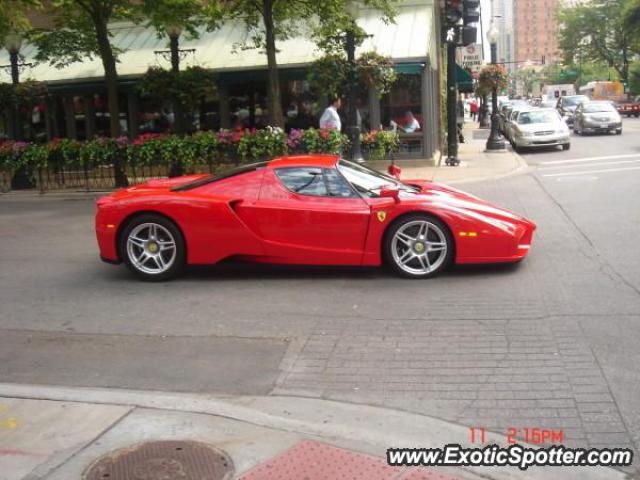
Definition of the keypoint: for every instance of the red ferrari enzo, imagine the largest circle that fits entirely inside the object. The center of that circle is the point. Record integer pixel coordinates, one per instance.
(312, 209)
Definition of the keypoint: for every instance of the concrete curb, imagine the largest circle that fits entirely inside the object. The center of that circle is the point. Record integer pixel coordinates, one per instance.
(378, 427)
(521, 168)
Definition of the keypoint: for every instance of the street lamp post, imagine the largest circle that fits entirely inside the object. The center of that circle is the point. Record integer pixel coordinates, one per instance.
(353, 129)
(495, 140)
(13, 43)
(174, 32)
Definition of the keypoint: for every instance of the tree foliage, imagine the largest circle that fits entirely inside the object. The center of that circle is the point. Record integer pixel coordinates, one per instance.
(331, 74)
(188, 86)
(189, 15)
(599, 30)
(13, 16)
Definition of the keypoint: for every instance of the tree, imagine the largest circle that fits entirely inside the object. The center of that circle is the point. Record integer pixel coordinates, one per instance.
(81, 30)
(631, 17)
(597, 31)
(13, 16)
(268, 21)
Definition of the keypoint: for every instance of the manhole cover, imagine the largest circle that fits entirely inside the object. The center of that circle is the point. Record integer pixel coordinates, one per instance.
(166, 460)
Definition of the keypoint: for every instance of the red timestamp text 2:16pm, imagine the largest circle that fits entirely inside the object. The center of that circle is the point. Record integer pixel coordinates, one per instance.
(531, 435)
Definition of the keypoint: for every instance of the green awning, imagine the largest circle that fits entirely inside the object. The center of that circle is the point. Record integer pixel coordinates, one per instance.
(464, 80)
(409, 68)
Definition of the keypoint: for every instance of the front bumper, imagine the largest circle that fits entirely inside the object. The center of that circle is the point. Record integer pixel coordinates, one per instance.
(601, 126)
(542, 140)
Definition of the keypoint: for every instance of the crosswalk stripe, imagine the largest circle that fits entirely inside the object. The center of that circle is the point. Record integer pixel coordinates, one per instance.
(589, 172)
(589, 159)
(599, 164)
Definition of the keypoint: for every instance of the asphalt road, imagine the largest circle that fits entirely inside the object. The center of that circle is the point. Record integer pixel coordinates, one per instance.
(549, 343)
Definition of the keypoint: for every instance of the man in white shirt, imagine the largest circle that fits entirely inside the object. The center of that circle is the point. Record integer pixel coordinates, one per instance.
(330, 117)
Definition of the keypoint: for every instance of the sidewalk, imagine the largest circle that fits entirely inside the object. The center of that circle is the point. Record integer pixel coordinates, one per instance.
(58, 433)
(475, 163)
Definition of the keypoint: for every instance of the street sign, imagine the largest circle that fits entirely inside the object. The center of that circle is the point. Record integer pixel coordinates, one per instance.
(471, 57)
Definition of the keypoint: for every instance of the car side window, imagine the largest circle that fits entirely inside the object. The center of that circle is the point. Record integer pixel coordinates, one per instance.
(303, 180)
(337, 185)
(319, 182)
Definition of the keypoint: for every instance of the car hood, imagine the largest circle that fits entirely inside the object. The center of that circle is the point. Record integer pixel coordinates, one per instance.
(539, 127)
(450, 198)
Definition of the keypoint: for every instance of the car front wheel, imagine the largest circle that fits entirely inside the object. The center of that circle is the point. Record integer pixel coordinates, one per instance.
(419, 246)
(152, 247)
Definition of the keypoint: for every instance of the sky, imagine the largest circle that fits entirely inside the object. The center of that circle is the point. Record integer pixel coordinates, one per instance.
(485, 6)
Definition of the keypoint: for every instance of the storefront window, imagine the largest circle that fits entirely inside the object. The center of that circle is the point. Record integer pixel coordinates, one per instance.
(403, 104)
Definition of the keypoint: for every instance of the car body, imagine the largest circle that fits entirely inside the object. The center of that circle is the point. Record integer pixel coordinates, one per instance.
(513, 119)
(309, 209)
(566, 106)
(546, 103)
(598, 116)
(629, 107)
(506, 112)
(540, 127)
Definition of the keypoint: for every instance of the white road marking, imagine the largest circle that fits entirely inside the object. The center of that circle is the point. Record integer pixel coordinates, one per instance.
(589, 159)
(589, 172)
(552, 167)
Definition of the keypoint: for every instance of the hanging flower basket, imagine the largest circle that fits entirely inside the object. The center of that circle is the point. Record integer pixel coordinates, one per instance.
(493, 76)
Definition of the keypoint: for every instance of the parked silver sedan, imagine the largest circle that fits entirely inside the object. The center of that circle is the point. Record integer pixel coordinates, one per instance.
(540, 128)
(597, 116)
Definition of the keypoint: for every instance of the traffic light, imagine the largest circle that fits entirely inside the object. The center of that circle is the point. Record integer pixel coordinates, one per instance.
(453, 12)
(470, 12)
(470, 15)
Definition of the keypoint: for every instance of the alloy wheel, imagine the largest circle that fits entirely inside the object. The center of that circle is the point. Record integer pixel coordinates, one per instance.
(151, 248)
(419, 247)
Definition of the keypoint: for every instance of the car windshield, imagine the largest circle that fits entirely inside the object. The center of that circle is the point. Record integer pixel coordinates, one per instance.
(368, 181)
(541, 116)
(598, 107)
(573, 101)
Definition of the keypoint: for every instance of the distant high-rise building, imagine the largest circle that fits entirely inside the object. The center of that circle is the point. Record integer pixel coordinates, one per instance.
(536, 30)
(502, 16)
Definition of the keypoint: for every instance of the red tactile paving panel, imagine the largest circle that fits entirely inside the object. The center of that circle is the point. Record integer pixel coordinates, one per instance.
(424, 474)
(311, 460)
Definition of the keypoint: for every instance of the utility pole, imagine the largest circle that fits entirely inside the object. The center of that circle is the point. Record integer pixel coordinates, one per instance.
(459, 17)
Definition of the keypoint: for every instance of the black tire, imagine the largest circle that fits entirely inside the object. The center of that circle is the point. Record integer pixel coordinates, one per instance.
(566, 146)
(576, 131)
(178, 260)
(442, 228)
(619, 132)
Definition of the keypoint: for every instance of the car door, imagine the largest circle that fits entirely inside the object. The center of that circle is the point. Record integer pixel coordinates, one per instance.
(311, 215)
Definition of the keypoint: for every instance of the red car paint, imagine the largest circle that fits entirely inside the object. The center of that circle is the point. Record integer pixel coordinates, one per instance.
(253, 216)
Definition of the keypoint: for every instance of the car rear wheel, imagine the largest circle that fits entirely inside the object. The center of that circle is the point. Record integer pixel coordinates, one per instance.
(418, 246)
(566, 146)
(152, 247)
(619, 132)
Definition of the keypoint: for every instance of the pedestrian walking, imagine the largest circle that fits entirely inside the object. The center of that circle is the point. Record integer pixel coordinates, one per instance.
(474, 109)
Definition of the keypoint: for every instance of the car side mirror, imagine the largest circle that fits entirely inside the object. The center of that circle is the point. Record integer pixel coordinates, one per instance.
(390, 192)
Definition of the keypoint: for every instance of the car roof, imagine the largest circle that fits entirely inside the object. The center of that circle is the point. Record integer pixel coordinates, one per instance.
(318, 160)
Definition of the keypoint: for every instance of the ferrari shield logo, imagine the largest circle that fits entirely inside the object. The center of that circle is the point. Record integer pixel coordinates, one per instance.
(382, 215)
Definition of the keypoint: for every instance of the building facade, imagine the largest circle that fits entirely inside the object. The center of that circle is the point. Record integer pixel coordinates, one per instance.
(76, 104)
(536, 30)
